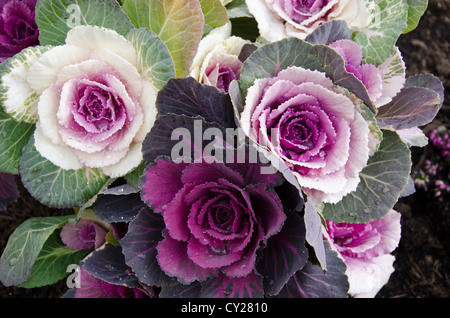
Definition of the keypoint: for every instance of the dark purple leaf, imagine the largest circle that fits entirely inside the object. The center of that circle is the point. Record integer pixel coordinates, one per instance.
(412, 107)
(330, 32)
(181, 291)
(108, 264)
(290, 197)
(8, 190)
(312, 282)
(186, 96)
(427, 81)
(140, 247)
(173, 132)
(246, 51)
(223, 286)
(117, 208)
(334, 67)
(284, 255)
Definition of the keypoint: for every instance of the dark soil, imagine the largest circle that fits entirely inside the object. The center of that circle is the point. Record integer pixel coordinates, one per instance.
(422, 266)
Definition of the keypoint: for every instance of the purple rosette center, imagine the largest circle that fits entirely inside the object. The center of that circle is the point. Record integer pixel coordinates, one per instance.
(18, 29)
(216, 217)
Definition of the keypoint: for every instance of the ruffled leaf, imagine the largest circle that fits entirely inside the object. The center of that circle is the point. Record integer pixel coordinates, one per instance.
(382, 182)
(179, 23)
(56, 187)
(388, 22)
(17, 97)
(24, 246)
(56, 17)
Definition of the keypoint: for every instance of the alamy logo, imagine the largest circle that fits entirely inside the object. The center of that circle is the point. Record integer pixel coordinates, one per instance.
(210, 145)
(74, 18)
(73, 280)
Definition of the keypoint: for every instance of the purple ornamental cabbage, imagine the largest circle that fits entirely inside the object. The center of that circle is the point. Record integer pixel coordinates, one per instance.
(216, 217)
(83, 235)
(91, 287)
(18, 29)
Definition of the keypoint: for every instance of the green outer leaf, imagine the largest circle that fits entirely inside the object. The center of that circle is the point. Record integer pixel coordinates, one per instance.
(382, 182)
(154, 60)
(56, 17)
(379, 38)
(13, 137)
(271, 58)
(54, 186)
(51, 264)
(24, 246)
(416, 8)
(238, 9)
(179, 23)
(214, 12)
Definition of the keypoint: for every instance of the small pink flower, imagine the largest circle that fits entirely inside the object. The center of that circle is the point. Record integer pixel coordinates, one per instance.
(83, 235)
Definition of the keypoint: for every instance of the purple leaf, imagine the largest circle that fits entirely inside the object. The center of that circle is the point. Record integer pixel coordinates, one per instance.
(312, 282)
(284, 255)
(181, 291)
(140, 247)
(170, 130)
(427, 81)
(8, 190)
(330, 32)
(412, 107)
(185, 96)
(118, 208)
(108, 264)
(223, 286)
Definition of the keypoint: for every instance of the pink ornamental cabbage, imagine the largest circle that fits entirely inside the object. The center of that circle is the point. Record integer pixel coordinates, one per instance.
(91, 106)
(91, 287)
(278, 19)
(216, 217)
(85, 234)
(365, 249)
(18, 28)
(382, 82)
(217, 60)
(314, 128)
